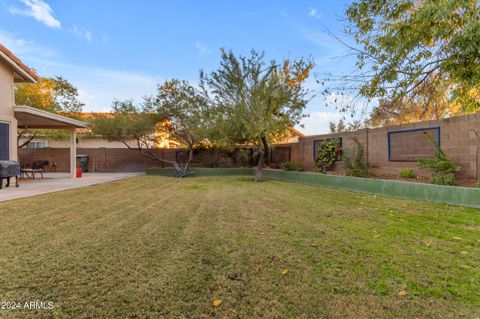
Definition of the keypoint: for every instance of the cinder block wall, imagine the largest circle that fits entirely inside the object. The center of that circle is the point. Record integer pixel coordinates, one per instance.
(457, 139)
(100, 159)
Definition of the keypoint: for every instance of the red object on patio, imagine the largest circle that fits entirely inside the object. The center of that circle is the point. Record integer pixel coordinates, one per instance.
(79, 172)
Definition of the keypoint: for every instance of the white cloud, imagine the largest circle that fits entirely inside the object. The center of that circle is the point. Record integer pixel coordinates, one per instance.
(201, 48)
(320, 114)
(81, 32)
(39, 10)
(317, 122)
(314, 13)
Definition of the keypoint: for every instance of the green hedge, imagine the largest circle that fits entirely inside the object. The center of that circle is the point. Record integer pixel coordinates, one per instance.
(409, 190)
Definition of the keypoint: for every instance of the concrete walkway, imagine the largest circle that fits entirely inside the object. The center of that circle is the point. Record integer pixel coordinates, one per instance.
(54, 182)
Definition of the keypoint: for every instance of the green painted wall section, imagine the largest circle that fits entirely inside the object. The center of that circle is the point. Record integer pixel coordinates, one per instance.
(463, 196)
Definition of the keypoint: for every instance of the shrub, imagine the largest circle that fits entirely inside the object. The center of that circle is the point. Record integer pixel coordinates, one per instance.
(327, 154)
(225, 162)
(214, 156)
(477, 184)
(447, 179)
(354, 163)
(242, 157)
(445, 168)
(406, 173)
(291, 166)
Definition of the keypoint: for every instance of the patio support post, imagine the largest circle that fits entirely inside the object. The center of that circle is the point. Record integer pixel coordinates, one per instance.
(73, 153)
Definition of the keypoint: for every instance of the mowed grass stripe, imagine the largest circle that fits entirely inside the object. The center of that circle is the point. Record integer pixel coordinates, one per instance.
(164, 247)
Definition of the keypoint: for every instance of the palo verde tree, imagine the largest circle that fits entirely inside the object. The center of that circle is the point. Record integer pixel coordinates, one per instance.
(406, 46)
(255, 101)
(175, 112)
(134, 126)
(185, 113)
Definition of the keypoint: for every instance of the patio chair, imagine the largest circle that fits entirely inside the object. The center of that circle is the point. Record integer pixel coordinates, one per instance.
(29, 170)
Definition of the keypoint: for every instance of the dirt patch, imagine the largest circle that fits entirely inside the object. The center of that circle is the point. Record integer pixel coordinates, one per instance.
(472, 228)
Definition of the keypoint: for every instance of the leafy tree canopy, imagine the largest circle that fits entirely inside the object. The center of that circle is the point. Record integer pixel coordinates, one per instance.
(337, 128)
(184, 109)
(55, 95)
(129, 124)
(255, 101)
(408, 45)
(177, 112)
(428, 103)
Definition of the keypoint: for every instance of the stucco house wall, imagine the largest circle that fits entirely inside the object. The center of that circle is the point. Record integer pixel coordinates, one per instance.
(6, 106)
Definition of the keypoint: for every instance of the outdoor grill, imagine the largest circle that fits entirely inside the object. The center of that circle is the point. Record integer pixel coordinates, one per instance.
(9, 169)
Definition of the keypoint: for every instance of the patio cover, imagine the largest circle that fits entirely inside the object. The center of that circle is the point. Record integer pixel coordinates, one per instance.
(29, 117)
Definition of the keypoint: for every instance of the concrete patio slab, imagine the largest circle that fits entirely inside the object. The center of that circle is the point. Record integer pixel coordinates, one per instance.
(54, 182)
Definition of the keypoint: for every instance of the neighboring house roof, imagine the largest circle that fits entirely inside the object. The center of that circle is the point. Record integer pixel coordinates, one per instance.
(88, 117)
(22, 72)
(297, 132)
(93, 115)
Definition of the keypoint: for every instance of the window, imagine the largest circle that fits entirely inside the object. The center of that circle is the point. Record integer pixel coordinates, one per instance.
(317, 143)
(4, 142)
(412, 145)
(37, 144)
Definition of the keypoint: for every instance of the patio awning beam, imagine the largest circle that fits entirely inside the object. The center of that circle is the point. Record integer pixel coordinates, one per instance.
(29, 117)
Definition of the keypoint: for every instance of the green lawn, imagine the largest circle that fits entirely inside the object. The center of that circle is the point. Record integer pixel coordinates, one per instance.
(164, 247)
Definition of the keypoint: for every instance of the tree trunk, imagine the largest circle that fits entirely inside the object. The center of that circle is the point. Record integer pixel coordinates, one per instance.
(258, 171)
(266, 151)
(261, 160)
(20, 135)
(190, 157)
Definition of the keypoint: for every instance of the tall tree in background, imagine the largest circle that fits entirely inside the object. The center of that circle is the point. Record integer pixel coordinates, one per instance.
(340, 127)
(132, 125)
(186, 114)
(55, 95)
(177, 111)
(412, 47)
(255, 101)
(337, 128)
(430, 102)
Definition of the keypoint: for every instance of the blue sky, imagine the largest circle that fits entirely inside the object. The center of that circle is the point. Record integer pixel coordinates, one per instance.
(123, 49)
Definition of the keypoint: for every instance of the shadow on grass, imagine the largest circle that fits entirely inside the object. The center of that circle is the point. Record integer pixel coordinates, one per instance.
(196, 187)
(246, 179)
